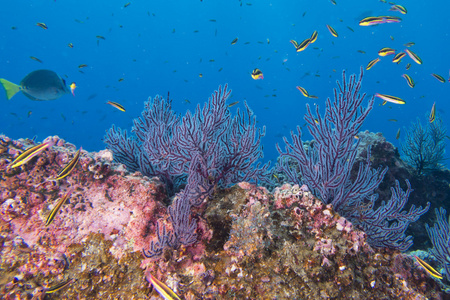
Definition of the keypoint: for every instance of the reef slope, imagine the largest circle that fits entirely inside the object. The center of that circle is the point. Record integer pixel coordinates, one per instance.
(252, 244)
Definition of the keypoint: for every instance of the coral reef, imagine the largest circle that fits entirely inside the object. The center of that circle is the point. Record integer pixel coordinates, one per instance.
(424, 148)
(383, 154)
(251, 243)
(328, 162)
(290, 245)
(220, 148)
(436, 191)
(106, 208)
(440, 238)
(209, 148)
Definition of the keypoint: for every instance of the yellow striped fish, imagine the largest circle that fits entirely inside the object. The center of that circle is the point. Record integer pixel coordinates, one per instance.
(303, 45)
(69, 167)
(313, 37)
(390, 19)
(391, 99)
(430, 270)
(303, 91)
(386, 51)
(257, 74)
(332, 31)
(29, 154)
(433, 113)
(42, 25)
(369, 21)
(398, 57)
(372, 63)
(438, 77)
(57, 207)
(163, 289)
(409, 80)
(233, 104)
(116, 105)
(414, 56)
(399, 8)
(294, 42)
(58, 286)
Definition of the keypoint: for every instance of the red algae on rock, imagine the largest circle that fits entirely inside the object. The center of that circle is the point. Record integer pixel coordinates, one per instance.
(118, 206)
(252, 244)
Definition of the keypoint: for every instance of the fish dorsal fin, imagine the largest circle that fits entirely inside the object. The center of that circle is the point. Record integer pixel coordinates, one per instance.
(10, 88)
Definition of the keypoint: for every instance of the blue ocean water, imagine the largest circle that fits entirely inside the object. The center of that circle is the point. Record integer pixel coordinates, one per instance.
(160, 46)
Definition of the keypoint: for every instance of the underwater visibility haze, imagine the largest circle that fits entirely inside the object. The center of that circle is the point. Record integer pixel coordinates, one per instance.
(135, 52)
(80, 70)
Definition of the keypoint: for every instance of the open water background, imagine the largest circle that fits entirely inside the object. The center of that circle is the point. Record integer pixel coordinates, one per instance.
(163, 45)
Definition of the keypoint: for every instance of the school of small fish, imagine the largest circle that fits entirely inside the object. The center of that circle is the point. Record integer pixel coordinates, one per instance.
(43, 85)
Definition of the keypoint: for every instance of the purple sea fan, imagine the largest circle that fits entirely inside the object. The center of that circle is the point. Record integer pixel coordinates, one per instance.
(326, 163)
(440, 238)
(154, 133)
(125, 149)
(223, 149)
(149, 148)
(386, 226)
(154, 130)
(210, 147)
(220, 149)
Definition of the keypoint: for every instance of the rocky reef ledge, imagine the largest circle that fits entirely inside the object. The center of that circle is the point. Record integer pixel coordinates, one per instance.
(252, 244)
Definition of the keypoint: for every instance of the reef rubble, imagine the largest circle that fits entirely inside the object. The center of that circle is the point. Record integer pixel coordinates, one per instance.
(252, 243)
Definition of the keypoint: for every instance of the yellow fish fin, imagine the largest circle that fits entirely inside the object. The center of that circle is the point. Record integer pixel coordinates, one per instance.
(10, 88)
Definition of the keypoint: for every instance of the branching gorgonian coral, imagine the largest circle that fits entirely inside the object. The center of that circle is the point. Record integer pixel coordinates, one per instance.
(326, 168)
(424, 148)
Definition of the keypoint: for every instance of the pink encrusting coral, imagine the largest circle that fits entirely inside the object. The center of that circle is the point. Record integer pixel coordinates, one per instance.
(251, 243)
(118, 206)
(320, 216)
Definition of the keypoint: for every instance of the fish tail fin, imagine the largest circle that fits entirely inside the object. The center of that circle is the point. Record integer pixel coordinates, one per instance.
(10, 88)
